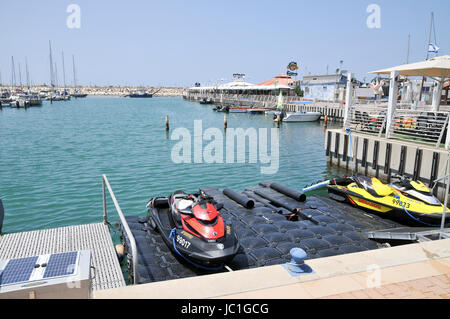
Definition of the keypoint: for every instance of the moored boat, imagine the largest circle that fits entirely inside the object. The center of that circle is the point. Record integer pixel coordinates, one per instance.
(140, 94)
(301, 117)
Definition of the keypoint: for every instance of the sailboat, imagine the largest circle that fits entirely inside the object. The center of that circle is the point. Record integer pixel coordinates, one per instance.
(76, 93)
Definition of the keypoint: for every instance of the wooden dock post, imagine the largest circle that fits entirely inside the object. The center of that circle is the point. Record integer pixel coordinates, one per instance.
(225, 123)
(278, 120)
(167, 122)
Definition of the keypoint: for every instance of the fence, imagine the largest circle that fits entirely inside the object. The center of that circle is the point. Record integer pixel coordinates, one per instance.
(410, 125)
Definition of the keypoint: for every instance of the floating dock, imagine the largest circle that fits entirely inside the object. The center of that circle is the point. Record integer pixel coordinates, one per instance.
(322, 228)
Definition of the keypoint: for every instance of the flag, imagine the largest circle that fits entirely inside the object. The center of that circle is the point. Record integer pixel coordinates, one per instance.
(280, 101)
(433, 48)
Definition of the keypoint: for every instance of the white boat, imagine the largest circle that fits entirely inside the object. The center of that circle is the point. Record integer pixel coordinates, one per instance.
(237, 110)
(301, 117)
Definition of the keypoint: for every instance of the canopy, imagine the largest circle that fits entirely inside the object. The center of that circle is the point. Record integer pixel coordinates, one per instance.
(438, 67)
(238, 84)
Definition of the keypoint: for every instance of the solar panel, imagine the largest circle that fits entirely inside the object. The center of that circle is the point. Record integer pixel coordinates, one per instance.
(18, 270)
(62, 264)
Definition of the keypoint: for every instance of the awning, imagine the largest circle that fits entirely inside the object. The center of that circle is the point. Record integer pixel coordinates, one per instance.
(437, 68)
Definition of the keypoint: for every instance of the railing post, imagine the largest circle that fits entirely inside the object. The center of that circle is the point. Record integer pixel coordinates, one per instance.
(105, 220)
(348, 100)
(126, 228)
(393, 91)
(447, 140)
(447, 188)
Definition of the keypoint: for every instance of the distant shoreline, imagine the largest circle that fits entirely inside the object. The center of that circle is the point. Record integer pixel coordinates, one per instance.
(104, 90)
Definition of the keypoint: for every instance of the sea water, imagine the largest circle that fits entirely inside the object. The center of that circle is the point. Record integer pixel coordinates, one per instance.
(52, 157)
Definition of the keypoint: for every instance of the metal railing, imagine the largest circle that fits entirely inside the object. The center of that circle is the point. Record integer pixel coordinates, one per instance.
(124, 223)
(413, 125)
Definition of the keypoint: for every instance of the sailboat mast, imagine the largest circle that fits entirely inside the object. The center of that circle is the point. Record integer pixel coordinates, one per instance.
(64, 70)
(56, 76)
(27, 73)
(428, 54)
(13, 72)
(51, 64)
(20, 76)
(74, 74)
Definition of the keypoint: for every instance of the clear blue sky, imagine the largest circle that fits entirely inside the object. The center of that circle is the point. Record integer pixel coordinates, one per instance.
(178, 42)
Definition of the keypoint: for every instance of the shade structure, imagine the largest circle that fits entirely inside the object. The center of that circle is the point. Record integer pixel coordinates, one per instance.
(437, 68)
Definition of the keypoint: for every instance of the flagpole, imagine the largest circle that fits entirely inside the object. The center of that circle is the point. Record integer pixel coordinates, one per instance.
(428, 54)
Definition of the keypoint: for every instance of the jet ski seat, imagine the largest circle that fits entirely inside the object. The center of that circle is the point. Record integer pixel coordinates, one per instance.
(373, 186)
(183, 202)
(161, 202)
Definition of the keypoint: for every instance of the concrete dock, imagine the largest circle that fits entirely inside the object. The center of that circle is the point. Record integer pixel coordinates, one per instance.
(411, 271)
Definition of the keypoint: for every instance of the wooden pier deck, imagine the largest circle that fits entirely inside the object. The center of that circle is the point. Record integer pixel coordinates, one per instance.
(95, 237)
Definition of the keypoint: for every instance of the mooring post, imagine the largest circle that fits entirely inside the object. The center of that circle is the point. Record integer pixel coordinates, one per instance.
(225, 123)
(278, 120)
(167, 122)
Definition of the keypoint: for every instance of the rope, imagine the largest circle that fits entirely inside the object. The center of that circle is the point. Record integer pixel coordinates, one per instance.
(406, 211)
(172, 235)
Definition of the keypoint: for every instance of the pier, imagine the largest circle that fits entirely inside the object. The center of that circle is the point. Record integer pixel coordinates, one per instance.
(409, 141)
(411, 271)
(338, 240)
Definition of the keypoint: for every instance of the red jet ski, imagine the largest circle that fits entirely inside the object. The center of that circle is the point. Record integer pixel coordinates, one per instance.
(193, 228)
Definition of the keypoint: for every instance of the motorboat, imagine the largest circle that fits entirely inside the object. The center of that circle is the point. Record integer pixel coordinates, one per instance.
(301, 116)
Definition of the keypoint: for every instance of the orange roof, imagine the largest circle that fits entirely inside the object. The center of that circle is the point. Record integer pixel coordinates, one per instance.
(281, 79)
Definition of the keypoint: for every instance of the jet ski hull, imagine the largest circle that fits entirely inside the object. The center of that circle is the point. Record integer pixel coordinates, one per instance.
(395, 206)
(186, 245)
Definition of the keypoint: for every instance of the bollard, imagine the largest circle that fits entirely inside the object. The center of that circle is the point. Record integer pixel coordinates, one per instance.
(325, 120)
(167, 122)
(225, 123)
(297, 266)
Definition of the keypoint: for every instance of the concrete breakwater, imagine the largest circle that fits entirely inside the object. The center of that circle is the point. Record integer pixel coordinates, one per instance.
(108, 90)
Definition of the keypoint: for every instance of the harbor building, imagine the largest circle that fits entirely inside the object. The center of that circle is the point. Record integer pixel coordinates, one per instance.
(325, 87)
(272, 87)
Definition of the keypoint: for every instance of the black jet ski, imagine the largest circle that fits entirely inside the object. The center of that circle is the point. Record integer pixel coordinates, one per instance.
(193, 228)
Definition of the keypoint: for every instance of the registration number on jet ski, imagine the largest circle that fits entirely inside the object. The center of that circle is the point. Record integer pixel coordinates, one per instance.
(397, 202)
(183, 242)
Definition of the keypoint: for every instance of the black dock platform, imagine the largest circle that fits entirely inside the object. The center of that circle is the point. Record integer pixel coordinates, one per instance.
(267, 232)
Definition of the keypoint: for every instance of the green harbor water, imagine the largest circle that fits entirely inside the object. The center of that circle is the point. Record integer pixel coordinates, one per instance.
(52, 157)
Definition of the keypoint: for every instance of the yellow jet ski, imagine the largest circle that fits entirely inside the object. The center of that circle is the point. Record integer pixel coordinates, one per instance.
(406, 201)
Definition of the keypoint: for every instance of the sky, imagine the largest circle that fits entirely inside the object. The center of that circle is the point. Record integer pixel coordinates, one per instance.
(178, 42)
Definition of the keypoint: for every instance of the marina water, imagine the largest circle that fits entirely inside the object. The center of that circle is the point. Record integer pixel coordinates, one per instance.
(52, 157)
